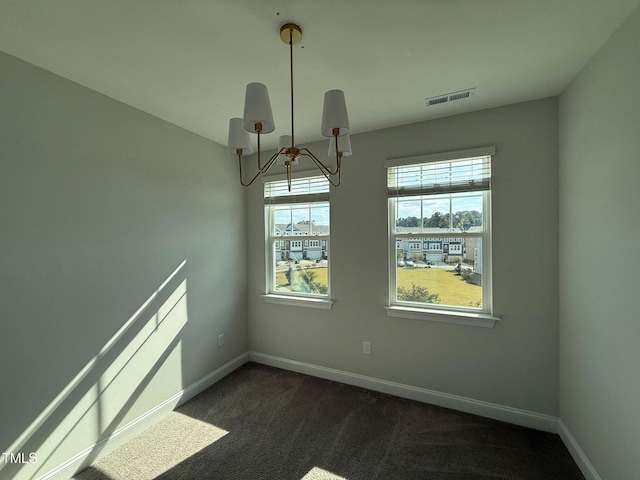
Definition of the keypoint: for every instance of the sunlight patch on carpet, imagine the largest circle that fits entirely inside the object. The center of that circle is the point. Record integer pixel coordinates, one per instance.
(317, 473)
(160, 448)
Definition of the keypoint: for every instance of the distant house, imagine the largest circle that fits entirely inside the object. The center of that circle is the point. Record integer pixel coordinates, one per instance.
(439, 249)
(473, 254)
(303, 249)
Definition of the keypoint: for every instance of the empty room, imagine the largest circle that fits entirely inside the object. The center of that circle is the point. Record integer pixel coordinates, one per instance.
(304, 240)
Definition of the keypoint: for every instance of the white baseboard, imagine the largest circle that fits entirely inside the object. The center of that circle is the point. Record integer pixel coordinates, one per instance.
(201, 385)
(477, 407)
(576, 452)
(503, 413)
(127, 432)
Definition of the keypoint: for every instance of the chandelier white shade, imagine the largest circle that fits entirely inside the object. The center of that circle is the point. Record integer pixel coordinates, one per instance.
(257, 109)
(258, 119)
(334, 114)
(238, 138)
(344, 146)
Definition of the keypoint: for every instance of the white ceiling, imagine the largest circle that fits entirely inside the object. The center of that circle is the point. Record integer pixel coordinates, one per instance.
(188, 62)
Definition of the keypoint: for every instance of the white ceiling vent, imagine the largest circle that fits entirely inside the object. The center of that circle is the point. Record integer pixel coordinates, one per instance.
(450, 97)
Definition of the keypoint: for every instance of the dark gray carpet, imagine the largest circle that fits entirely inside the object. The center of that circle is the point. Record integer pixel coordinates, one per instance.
(286, 426)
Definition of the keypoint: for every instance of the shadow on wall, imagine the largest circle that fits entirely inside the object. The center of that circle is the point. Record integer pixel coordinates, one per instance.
(102, 397)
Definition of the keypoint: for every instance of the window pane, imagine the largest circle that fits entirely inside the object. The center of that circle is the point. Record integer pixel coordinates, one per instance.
(436, 211)
(408, 215)
(467, 212)
(301, 276)
(433, 213)
(301, 219)
(298, 236)
(320, 219)
(281, 220)
(442, 271)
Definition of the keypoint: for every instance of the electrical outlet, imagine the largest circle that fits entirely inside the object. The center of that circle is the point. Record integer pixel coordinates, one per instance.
(220, 340)
(366, 348)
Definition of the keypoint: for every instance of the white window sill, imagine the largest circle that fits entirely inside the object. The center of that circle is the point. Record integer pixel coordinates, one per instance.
(323, 303)
(443, 316)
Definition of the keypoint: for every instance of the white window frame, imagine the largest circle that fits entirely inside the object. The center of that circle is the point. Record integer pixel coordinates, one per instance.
(301, 299)
(483, 317)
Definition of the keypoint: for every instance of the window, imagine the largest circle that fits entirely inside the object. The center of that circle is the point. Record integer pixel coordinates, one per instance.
(297, 237)
(439, 217)
(414, 246)
(455, 248)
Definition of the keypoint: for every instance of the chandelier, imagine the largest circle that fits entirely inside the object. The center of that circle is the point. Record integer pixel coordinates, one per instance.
(258, 119)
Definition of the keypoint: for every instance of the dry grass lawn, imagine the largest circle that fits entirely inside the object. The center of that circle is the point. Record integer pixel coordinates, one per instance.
(453, 290)
(321, 278)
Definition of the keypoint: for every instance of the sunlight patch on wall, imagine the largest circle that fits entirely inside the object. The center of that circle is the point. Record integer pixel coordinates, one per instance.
(317, 473)
(111, 389)
(113, 400)
(154, 346)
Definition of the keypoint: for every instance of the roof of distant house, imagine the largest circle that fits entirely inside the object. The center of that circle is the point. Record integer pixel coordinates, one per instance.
(303, 228)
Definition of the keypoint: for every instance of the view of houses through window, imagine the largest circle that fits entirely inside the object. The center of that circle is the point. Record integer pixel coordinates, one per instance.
(442, 270)
(438, 214)
(439, 233)
(298, 236)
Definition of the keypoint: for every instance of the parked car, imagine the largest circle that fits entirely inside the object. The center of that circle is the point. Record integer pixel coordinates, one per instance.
(410, 263)
(401, 263)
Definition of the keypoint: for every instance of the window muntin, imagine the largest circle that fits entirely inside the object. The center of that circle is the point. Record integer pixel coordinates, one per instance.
(443, 207)
(298, 234)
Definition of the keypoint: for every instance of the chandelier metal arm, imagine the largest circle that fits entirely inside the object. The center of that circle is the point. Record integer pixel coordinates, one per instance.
(338, 152)
(262, 170)
(307, 153)
(339, 155)
(326, 171)
(241, 176)
(271, 161)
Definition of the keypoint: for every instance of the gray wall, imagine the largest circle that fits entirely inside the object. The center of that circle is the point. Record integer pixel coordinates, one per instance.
(599, 273)
(513, 364)
(100, 204)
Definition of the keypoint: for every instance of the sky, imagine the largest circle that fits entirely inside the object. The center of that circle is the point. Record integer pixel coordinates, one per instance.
(438, 203)
(407, 176)
(318, 213)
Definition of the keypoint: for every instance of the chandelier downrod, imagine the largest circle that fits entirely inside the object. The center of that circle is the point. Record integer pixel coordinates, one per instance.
(293, 136)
